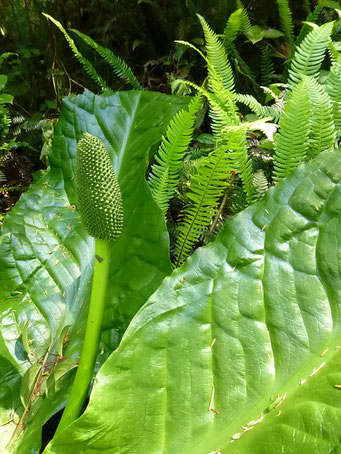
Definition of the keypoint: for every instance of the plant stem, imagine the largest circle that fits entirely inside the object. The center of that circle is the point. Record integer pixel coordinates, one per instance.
(88, 356)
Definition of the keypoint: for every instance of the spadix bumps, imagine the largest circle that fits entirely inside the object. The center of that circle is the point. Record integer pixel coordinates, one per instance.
(98, 193)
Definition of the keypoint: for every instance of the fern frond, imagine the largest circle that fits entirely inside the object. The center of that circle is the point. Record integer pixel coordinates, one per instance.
(164, 175)
(232, 27)
(260, 182)
(333, 88)
(243, 163)
(333, 52)
(312, 18)
(86, 64)
(190, 167)
(306, 5)
(217, 57)
(2, 177)
(246, 24)
(285, 16)
(266, 66)
(223, 111)
(309, 55)
(121, 69)
(191, 46)
(243, 67)
(322, 128)
(256, 107)
(291, 142)
(237, 22)
(206, 189)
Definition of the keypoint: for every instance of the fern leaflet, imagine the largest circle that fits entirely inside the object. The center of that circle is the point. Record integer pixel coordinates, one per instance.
(121, 69)
(164, 175)
(260, 182)
(263, 111)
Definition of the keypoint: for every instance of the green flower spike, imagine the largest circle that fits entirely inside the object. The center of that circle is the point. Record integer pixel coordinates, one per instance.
(99, 202)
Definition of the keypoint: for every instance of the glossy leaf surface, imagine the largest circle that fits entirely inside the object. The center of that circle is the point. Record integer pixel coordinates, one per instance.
(238, 351)
(46, 256)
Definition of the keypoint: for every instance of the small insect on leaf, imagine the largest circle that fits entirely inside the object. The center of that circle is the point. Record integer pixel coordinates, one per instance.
(236, 436)
(99, 259)
(324, 351)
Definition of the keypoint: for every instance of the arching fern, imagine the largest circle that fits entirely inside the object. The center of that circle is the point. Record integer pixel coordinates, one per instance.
(121, 69)
(217, 57)
(86, 64)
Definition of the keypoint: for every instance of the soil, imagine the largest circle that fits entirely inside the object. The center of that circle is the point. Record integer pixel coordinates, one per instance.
(18, 165)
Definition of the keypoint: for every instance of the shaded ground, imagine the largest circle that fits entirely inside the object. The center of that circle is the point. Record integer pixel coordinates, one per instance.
(18, 166)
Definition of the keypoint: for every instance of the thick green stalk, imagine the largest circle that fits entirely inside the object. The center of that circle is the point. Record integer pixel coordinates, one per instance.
(87, 360)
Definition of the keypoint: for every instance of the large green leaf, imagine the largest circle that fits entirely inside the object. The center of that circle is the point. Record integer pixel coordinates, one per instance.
(239, 349)
(46, 257)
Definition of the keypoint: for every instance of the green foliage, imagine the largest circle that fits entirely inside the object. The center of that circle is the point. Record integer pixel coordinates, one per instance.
(218, 362)
(208, 388)
(49, 286)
